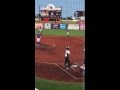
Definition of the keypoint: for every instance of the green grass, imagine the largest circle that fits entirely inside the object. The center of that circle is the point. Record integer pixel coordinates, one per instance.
(58, 32)
(42, 84)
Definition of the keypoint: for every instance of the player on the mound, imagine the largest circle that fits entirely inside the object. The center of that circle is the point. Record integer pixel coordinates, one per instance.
(38, 38)
(67, 63)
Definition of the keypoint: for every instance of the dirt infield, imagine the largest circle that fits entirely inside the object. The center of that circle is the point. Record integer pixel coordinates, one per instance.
(53, 72)
(53, 58)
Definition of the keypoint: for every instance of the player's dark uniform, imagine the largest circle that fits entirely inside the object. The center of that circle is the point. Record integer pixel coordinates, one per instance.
(67, 60)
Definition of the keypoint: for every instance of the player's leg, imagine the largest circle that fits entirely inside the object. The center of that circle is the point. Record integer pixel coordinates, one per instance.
(38, 42)
(65, 63)
(69, 64)
(81, 71)
(67, 34)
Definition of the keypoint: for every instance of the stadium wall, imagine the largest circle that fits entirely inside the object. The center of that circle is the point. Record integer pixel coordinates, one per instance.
(80, 26)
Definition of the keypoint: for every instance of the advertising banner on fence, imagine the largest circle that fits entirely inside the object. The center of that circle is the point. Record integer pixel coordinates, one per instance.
(47, 25)
(63, 26)
(82, 26)
(55, 26)
(38, 25)
(73, 26)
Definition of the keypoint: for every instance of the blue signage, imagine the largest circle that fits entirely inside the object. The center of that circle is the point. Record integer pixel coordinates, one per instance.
(63, 26)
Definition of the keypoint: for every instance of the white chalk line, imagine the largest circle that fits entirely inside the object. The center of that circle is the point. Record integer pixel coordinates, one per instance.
(72, 68)
(46, 62)
(67, 72)
(77, 63)
(60, 68)
(52, 63)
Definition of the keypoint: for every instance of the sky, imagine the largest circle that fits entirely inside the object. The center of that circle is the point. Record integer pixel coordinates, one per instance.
(68, 6)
